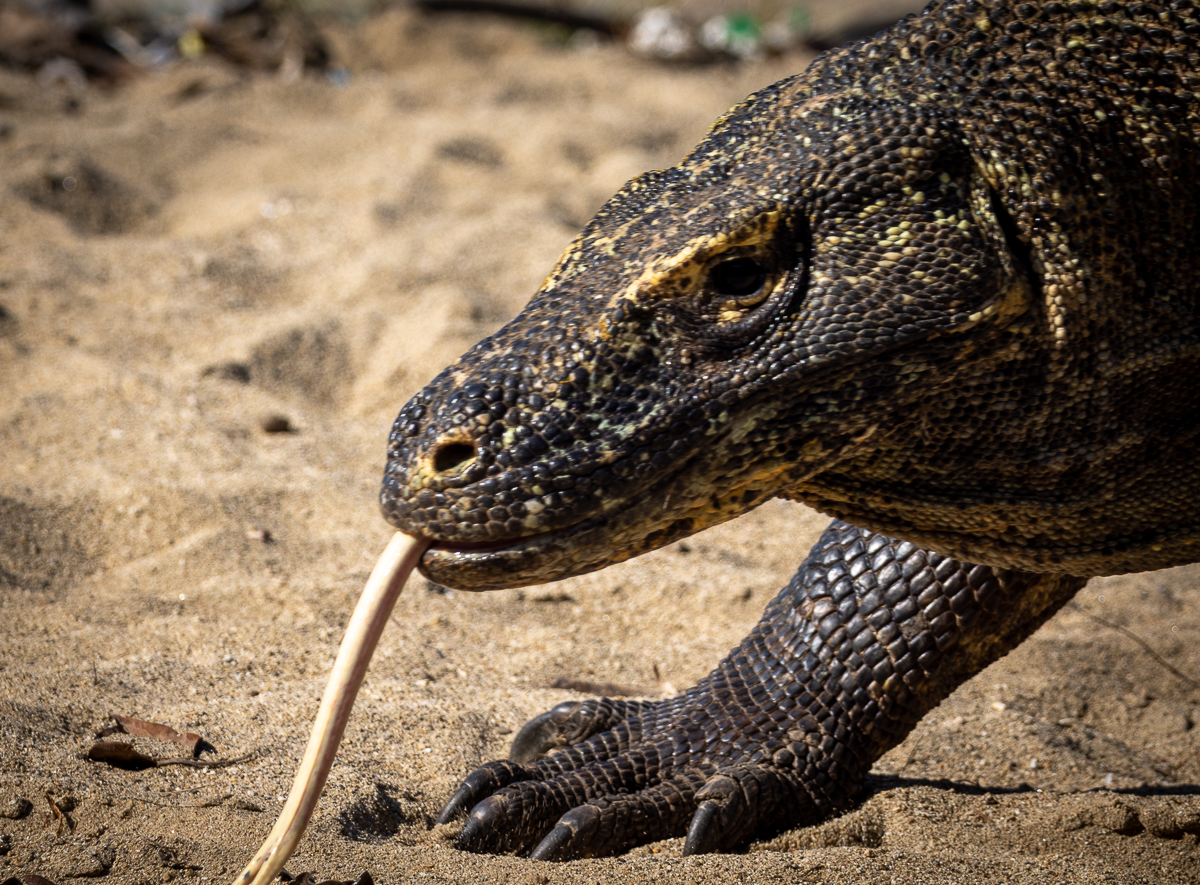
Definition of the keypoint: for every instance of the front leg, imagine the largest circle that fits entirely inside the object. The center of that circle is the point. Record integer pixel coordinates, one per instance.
(868, 636)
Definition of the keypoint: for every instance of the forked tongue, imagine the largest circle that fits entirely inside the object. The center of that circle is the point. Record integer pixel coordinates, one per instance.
(366, 625)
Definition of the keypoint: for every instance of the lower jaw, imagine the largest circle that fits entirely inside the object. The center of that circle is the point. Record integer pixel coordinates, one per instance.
(533, 560)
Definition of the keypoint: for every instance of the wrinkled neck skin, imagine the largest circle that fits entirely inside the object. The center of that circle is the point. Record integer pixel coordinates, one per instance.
(974, 330)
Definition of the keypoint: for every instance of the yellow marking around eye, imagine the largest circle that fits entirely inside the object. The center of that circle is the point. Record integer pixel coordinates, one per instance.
(668, 275)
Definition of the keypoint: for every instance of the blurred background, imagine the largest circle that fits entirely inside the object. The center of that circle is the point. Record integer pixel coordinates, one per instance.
(112, 40)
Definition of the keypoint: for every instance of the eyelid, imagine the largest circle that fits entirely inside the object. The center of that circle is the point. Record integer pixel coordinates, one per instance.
(744, 301)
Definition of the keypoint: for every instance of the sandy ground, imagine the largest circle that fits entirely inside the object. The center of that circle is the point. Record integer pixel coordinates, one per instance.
(239, 247)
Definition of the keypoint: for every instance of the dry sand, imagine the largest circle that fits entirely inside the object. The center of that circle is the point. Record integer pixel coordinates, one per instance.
(238, 247)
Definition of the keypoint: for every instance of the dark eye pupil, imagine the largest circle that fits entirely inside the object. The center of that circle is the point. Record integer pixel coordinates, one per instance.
(737, 277)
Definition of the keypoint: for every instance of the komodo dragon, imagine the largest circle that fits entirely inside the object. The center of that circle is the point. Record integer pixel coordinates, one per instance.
(940, 286)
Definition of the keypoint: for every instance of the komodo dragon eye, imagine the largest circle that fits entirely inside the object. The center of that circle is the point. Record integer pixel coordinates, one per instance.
(738, 278)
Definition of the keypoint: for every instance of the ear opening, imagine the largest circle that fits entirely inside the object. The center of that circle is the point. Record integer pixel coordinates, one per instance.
(1020, 249)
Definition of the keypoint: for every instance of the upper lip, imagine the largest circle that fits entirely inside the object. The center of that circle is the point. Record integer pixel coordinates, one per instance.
(498, 544)
(481, 546)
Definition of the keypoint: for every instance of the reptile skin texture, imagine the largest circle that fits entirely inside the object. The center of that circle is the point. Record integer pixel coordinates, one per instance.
(940, 286)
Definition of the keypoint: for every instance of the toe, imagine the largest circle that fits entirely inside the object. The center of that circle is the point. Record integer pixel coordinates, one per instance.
(573, 831)
(481, 783)
(738, 803)
(620, 822)
(568, 724)
(721, 802)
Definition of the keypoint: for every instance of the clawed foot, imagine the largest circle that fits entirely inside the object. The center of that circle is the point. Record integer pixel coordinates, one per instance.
(869, 635)
(619, 774)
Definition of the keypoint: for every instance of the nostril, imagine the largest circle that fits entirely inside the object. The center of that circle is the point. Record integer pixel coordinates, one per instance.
(452, 455)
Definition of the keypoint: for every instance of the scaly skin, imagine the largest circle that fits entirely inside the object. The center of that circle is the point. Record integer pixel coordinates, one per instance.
(941, 286)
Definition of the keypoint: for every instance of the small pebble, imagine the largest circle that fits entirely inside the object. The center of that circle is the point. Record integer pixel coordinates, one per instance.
(275, 424)
(16, 808)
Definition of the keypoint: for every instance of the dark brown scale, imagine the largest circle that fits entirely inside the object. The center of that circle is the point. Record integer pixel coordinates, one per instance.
(941, 286)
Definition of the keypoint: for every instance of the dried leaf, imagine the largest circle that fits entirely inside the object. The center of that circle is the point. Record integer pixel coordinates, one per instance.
(159, 732)
(120, 754)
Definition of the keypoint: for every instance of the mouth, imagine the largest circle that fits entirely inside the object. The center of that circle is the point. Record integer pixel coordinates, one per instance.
(503, 562)
(467, 548)
(585, 545)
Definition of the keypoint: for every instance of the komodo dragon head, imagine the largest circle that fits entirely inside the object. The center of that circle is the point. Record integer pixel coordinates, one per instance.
(858, 298)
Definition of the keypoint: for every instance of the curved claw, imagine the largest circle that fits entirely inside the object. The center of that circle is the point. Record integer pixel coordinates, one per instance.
(574, 827)
(700, 831)
(544, 733)
(714, 826)
(479, 784)
(569, 724)
(485, 821)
